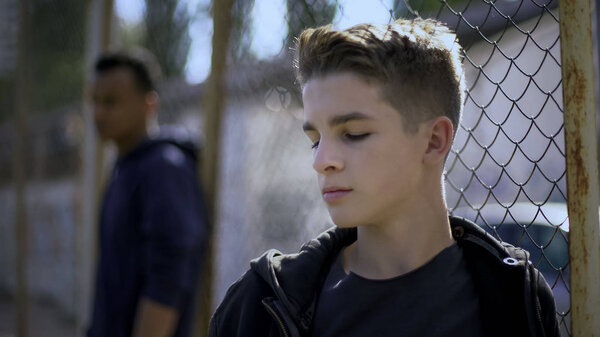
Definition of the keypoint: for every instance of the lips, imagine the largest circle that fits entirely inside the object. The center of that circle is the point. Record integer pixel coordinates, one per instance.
(334, 193)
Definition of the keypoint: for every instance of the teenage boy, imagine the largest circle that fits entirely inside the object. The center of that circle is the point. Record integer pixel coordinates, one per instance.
(382, 105)
(152, 220)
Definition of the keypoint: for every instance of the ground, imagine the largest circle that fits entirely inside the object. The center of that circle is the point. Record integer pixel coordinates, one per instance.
(44, 319)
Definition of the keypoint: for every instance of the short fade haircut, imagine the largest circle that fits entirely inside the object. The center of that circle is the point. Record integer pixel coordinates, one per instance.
(417, 63)
(121, 60)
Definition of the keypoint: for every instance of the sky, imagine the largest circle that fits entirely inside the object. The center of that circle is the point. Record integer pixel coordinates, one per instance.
(268, 27)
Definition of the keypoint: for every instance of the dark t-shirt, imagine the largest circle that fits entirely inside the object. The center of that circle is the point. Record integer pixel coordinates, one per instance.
(436, 299)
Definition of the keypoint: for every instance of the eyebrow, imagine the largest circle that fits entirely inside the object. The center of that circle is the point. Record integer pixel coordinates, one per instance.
(340, 119)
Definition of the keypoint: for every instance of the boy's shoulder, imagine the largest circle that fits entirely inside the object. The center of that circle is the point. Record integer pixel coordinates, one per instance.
(286, 286)
(506, 281)
(159, 161)
(291, 280)
(242, 306)
(467, 233)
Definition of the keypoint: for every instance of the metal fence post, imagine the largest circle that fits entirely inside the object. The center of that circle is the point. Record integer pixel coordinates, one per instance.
(19, 168)
(99, 19)
(582, 165)
(214, 99)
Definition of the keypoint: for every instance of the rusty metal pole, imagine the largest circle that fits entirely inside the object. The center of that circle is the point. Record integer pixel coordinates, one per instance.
(99, 19)
(214, 99)
(19, 168)
(582, 165)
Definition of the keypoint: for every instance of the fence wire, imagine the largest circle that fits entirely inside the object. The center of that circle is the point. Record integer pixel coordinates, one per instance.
(506, 169)
(507, 166)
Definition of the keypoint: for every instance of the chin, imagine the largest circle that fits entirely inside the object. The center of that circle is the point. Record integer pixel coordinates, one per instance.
(343, 219)
(102, 133)
(102, 136)
(343, 225)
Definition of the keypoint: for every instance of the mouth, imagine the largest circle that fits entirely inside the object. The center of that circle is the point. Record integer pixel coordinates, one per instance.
(334, 193)
(100, 128)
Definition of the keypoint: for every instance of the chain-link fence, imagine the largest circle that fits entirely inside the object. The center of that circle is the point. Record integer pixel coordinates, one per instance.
(506, 169)
(507, 166)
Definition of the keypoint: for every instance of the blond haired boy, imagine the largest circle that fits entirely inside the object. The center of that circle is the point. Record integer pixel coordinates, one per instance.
(382, 104)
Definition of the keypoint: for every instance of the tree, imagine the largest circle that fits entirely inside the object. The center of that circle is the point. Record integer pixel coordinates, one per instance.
(402, 9)
(166, 35)
(58, 47)
(240, 39)
(425, 8)
(308, 13)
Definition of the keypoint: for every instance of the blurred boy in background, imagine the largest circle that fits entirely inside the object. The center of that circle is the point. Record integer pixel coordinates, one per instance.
(152, 219)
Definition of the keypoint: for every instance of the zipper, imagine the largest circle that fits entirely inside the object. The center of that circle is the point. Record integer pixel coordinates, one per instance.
(538, 307)
(277, 318)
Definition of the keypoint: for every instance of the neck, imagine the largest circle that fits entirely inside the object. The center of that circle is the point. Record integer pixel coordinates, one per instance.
(128, 143)
(398, 246)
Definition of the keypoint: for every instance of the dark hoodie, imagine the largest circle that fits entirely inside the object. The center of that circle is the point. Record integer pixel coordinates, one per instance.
(278, 295)
(152, 236)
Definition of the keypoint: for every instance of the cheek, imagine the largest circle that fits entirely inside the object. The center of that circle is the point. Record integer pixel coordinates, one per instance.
(389, 166)
(383, 156)
(129, 114)
(116, 122)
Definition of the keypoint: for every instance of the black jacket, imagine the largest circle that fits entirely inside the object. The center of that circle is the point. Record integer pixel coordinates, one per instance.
(278, 295)
(152, 236)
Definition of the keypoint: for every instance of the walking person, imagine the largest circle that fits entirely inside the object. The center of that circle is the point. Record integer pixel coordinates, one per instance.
(152, 219)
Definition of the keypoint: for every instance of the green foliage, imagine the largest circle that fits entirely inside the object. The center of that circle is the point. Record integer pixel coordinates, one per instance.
(423, 8)
(7, 94)
(131, 34)
(241, 38)
(57, 52)
(166, 35)
(308, 13)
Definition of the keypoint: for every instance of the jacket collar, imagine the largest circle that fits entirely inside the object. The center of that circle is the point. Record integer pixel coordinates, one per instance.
(466, 232)
(296, 279)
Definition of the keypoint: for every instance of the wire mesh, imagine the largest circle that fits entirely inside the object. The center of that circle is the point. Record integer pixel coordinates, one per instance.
(506, 169)
(507, 166)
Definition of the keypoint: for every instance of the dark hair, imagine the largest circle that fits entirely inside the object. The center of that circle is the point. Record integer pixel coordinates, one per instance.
(417, 62)
(141, 74)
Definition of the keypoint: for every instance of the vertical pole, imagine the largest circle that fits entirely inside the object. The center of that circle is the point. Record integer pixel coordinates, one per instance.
(214, 105)
(99, 19)
(582, 165)
(20, 118)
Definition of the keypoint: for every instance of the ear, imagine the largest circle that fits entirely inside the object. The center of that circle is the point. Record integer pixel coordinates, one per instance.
(151, 100)
(441, 135)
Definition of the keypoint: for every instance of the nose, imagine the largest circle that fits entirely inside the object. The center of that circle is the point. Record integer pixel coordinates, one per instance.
(96, 109)
(99, 115)
(327, 159)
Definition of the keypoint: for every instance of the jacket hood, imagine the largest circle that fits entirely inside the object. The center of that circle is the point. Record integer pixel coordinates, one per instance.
(297, 278)
(466, 232)
(186, 141)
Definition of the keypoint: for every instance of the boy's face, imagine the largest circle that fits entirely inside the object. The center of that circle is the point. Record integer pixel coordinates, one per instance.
(369, 169)
(120, 108)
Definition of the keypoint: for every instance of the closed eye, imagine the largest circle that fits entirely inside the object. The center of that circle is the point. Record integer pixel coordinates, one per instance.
(356, 137)
(349, 136)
